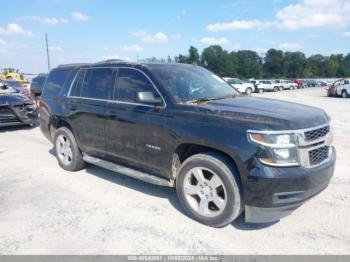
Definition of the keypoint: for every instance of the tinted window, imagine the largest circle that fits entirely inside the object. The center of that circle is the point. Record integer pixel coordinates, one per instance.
(129, 82)
(78, 83)
(38, 82)
(97, 83)
(55, 82)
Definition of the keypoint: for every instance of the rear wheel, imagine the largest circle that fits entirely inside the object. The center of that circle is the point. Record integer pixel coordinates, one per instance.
(344, 94)
(261, 90)
(208, 189)
(248, 91)
(275, 89)
(67, 151)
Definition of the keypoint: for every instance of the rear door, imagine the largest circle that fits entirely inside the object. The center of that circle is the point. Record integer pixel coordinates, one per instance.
(86, 108)
(135, 132)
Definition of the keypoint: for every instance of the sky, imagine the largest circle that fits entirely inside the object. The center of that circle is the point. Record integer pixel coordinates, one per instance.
(95, 30)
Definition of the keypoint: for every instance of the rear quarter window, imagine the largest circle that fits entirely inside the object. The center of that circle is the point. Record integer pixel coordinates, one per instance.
(55, 82)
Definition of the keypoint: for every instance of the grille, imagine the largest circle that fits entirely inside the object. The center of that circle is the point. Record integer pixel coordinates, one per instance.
(317, 133)
(318, 155)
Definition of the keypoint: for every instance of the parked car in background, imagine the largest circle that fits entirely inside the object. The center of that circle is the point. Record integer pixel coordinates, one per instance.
(15, 108)
(299, 83)
(268, 85)
(288, 84)
(322, 83)
(340, 87)
(313, 83)
(279, 83)
(37, 84)
(17, 86)
(181, 126)
(242, 87)
(257, 87)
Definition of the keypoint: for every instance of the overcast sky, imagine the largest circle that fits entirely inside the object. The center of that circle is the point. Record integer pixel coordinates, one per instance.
(92, 30)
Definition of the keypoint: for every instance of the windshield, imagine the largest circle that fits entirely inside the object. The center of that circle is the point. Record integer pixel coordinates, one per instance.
(6, 89)
(187, 83)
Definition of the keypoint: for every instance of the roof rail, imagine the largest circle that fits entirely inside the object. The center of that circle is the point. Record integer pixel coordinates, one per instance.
(110, 61)
(73, 65)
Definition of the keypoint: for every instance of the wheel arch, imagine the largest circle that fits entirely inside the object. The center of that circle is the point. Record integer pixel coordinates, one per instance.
(57, 123)
(185, 150)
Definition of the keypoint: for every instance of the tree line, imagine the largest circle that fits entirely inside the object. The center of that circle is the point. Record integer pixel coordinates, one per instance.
(247, 64)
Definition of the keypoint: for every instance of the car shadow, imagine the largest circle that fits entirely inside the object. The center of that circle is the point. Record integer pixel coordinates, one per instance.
(240, 224)
(158, 191)
(135, 184)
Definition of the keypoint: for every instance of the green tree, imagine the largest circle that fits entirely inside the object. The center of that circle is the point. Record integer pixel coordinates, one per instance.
(181, 59)
(273, 66)
(247, 64)
(294, 64)
(332, 67)
(217, 60)
(193, 56)
(316, 64)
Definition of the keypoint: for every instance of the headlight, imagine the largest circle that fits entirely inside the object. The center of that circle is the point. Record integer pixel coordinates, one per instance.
(276, 149)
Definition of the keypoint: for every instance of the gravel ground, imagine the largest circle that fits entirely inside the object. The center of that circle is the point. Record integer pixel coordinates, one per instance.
(46, 210)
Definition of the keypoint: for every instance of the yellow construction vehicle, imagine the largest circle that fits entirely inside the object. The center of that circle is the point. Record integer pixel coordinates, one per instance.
(12, 73)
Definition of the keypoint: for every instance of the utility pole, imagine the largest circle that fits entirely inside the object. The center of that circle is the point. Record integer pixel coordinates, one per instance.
(47, 53)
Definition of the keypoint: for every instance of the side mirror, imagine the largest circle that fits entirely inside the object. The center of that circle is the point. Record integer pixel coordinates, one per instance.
(149, 98)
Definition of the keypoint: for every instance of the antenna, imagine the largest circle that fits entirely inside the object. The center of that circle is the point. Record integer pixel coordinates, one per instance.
(47, 53)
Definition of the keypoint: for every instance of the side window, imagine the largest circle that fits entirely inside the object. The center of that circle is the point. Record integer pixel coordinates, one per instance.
(129, 82)
(78, 83)
(55, 82)
(97, 83)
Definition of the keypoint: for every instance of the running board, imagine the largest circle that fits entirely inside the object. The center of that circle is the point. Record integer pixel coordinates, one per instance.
(127, 171)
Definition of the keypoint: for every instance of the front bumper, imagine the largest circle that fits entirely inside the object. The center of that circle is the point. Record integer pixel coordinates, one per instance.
(11, 115)
(279, 191)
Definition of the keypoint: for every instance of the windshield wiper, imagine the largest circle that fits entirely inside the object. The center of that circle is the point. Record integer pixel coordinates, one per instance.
(207, 99)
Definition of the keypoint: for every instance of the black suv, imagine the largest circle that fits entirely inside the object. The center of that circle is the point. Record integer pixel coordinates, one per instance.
(182, 126)
(37, 84)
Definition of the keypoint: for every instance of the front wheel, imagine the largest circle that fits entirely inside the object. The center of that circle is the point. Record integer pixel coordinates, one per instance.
(275, 89)
(261, 90)
(248, 91)
(208, 188)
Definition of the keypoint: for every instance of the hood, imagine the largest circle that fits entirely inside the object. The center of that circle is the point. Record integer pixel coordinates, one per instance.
(14, 99)
(267, 114)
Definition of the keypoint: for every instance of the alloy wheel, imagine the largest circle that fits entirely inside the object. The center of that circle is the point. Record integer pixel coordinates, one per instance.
(205, 192)
(64, 150)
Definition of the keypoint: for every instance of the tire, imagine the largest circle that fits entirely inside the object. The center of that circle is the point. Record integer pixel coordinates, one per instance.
(221, 198)
(67, 151)
(260, 90)
(248, 91)
(344, 94)
(275, 89)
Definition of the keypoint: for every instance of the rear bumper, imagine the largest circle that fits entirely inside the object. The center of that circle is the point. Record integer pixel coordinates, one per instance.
(282, 190)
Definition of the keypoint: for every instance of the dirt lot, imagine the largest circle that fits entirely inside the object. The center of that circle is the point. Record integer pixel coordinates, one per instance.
(46, 210)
